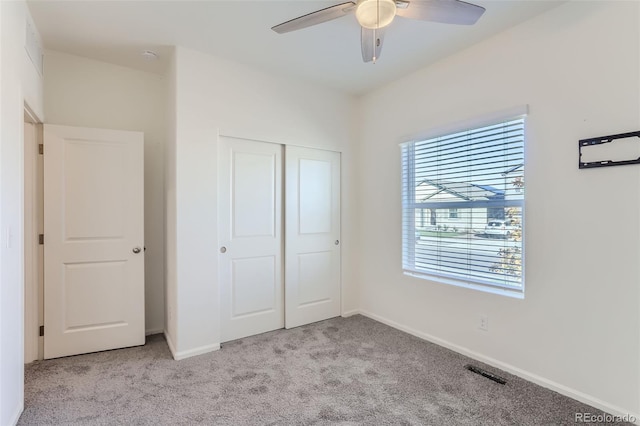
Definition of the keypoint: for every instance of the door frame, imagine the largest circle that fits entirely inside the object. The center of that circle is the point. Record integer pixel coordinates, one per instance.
(33, 255)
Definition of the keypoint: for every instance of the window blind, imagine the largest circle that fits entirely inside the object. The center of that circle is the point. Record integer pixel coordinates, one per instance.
(463, 203)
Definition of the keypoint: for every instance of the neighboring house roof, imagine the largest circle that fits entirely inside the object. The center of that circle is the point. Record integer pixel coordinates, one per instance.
(430, 188)
(513, 169)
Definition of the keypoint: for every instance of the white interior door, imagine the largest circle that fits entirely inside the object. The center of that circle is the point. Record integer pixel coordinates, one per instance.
(250, 234)
(94, 237)
(312, 235)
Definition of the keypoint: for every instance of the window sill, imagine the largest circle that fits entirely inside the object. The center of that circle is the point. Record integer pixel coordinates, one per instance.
(515, 293)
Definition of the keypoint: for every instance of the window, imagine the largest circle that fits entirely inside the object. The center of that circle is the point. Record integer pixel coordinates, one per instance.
(463, 202)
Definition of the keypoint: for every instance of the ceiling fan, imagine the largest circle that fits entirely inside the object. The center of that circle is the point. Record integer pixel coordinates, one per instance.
(375, 15)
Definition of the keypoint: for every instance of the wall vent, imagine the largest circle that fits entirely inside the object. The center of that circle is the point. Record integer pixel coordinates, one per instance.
(485, 373)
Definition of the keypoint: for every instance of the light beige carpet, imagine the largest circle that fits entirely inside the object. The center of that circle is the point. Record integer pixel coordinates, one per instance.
(348, 371)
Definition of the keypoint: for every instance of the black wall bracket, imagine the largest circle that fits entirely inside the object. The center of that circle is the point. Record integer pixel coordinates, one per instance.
(600, 140)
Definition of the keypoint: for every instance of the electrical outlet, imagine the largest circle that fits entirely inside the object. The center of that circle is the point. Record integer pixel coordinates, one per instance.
(484, 323)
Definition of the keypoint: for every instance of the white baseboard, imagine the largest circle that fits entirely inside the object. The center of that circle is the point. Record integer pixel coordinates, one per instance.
(172, 349)
(534, 378)
(191, 352)
(153, 331)
(350, 313)
(17, 414)
(196, 351)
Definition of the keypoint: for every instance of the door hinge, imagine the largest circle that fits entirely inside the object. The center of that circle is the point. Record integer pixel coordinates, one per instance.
(42, 330)
(40, 149)
(41, 239)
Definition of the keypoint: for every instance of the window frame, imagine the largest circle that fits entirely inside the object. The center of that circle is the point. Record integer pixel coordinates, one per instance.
(409, 233)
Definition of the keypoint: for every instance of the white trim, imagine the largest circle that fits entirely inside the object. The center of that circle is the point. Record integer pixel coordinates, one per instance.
(18, 413)
(487, 288)
(153, 331)
(196, 351)
(167, 337)
(534, 378)
(350, 313)
(30, 116)
(191, 352)
(30, 245)
(470, 123)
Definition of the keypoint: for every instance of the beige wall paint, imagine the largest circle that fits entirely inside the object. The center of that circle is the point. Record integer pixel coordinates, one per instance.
(577, 330)
(87, 93)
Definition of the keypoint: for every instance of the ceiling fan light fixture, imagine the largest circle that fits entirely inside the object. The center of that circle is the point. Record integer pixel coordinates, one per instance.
(375, 14)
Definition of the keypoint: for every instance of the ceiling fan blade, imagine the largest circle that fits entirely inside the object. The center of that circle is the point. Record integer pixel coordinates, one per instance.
(371, 44)
(444, 11)
(317, 17)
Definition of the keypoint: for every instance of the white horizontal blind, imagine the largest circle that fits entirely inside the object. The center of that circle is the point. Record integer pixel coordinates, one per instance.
(463, 200)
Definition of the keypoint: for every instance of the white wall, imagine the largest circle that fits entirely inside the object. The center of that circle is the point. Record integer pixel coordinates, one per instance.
(578, 328)
(170, 270)
(19, 83)
(87, 93)
(216, 96)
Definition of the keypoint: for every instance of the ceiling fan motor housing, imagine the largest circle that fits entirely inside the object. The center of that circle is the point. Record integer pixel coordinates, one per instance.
(375, 14)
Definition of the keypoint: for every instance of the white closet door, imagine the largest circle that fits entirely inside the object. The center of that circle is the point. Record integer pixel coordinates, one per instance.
(312, 246)
(250, 236)
(94, 239)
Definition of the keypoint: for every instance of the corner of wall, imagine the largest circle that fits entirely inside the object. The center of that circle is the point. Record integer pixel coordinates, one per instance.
(172, 346)
(179, 355)
(170, 255)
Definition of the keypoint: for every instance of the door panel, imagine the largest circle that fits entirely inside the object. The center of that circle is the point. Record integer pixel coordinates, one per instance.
(314, 271)
(249, 298)
(253, 192)
(315, 196)
(312, 248)
(94, 282)
(92, 294)
(250, 230)
(89, 211)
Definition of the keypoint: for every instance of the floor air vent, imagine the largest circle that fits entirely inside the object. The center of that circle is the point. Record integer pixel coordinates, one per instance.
(485, 373)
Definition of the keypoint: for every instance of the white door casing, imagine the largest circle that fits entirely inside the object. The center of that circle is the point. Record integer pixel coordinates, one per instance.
(250, 230)
(94, 239)
(312, 235)
(33, 251)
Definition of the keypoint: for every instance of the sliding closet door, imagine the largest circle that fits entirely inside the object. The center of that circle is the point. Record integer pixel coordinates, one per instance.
(312, 235)
(250, 232)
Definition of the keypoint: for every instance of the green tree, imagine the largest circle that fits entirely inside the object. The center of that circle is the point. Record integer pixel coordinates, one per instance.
(510, 262)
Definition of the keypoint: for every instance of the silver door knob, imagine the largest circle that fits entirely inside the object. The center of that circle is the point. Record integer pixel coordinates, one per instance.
(137, 250)
(337, 242)
(223, 249)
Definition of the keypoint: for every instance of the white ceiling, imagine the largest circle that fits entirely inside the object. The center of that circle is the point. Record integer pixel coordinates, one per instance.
(239, 30)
